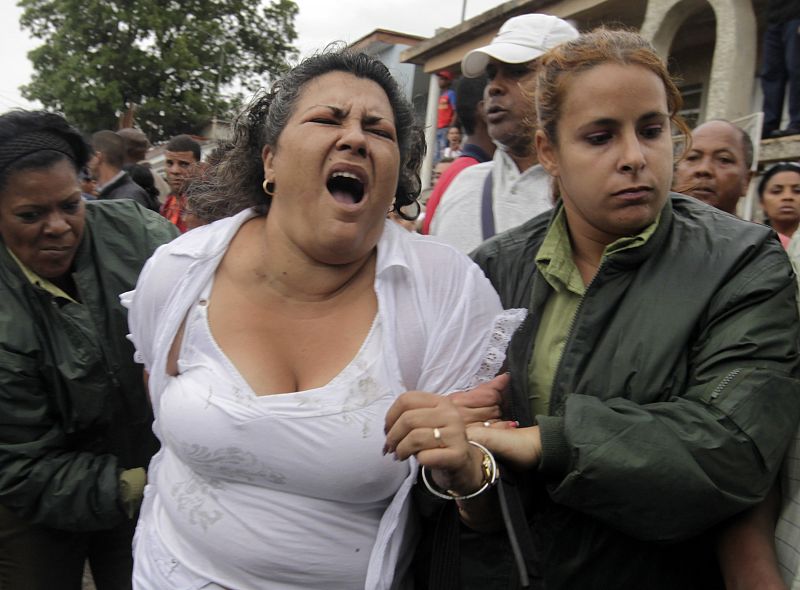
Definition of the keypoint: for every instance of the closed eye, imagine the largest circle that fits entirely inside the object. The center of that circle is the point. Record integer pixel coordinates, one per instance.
(27, 216)
(518, 71)
(652, 131)
(382, 133)
(71, 207)
(600, 138)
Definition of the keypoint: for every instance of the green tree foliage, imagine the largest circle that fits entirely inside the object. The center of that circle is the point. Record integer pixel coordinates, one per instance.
(170, 58)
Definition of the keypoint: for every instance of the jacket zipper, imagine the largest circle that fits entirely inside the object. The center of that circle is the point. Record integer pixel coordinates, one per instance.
(572, 323)
(724, 383)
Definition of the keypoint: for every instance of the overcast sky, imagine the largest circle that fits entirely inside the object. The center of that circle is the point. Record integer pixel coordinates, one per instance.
(318, 23)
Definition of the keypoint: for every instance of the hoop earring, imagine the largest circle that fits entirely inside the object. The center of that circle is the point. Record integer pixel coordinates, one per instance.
(269, 188)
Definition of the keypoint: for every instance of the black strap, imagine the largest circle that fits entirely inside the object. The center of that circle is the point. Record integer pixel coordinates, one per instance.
(444, 566)
(519, 536)
(487, 212)
(445, 554)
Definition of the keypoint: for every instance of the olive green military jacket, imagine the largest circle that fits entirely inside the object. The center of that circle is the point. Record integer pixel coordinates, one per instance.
(74, 412)
(672, 405)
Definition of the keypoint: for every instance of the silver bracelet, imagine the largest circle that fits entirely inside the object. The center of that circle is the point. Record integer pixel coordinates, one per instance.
(490, 475)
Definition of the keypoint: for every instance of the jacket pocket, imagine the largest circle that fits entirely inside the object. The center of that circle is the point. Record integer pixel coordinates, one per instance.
(727, 384)
(762, 404)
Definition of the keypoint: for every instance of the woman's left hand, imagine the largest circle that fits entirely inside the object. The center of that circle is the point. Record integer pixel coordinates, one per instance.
(431, 428)
(518, 447)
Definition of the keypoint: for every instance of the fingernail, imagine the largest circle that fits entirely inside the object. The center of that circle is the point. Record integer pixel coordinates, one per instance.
(514, 424)
(385, 449)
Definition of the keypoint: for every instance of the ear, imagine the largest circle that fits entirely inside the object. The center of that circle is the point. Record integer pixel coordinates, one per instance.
(268, 157)
(547, 153)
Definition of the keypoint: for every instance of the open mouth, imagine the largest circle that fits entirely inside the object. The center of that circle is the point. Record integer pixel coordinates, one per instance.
(346, 188)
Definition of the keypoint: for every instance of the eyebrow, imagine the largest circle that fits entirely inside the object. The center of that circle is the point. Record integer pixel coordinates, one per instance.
(75, 195)
(341, 113)
(611, 122)
(337, 112)
(374, 119)
(716, 152)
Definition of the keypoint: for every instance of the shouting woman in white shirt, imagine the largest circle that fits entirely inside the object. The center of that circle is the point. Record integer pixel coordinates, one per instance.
(280, 340)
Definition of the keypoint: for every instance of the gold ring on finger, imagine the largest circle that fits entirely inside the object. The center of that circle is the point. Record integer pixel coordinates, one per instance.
(437, 435)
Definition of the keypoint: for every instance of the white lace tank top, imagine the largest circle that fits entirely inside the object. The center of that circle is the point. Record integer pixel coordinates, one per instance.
(282, 491)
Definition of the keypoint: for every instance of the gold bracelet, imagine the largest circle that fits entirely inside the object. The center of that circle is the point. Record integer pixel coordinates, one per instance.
(490, 475)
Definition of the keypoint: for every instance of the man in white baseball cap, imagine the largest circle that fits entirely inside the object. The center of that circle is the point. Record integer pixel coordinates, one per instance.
(495, 196)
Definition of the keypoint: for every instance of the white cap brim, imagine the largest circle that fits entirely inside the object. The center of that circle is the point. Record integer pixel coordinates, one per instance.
(474, 63)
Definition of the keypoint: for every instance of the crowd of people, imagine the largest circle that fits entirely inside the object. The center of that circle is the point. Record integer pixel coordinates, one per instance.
(251, 377)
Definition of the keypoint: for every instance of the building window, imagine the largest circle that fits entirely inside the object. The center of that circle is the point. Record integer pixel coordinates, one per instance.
(692, 99)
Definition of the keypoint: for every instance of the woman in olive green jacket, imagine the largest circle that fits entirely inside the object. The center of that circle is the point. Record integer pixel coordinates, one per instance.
(655, 380)
(75, 435)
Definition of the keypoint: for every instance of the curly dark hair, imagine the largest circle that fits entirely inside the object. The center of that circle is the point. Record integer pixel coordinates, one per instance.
(234, 181)
(31, 140)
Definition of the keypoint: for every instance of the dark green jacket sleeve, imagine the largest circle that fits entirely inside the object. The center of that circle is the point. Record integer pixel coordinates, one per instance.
(668, 470)
(40, 480)
(69, 388)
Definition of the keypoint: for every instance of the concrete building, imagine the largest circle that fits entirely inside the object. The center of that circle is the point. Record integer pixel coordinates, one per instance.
(388, 47)
(712, 46)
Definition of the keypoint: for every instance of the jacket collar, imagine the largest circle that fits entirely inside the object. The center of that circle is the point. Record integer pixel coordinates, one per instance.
(630, 257)
(113, 182)
(633, 257)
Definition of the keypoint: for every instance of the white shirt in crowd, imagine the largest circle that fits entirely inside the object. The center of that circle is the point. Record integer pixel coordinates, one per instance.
(516, 198)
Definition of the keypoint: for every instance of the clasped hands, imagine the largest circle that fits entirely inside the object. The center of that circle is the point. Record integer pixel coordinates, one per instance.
(436, 428)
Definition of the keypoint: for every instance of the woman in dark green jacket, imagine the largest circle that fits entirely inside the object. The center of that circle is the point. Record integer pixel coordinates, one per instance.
(655, 379)
(75, 435)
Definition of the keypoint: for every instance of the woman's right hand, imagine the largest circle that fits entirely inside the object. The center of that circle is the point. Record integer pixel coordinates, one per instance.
(430, 427)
